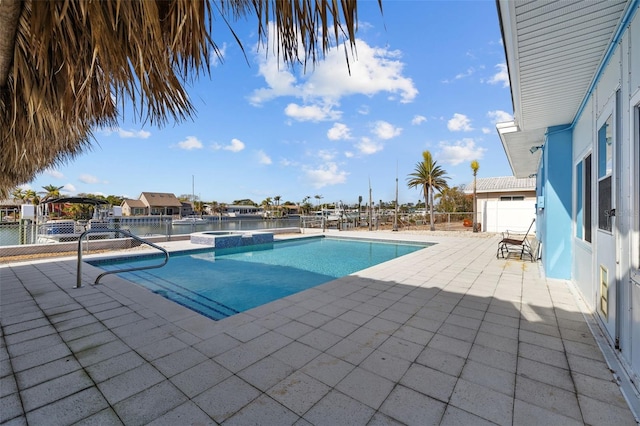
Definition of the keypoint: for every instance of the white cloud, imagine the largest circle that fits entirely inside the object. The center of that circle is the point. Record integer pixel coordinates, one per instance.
(459, 122)
(468, 73)
(236, 145)
(191, 142)
(326, 174)
(69, 188)
(367, 147)
(54, 173)
(216, 58)
(502, 76)
(486, 130)
(86, 178)
(460, 151)
(385, 130)
(138, 134)
(375, 70)
(499, 116)
(338, 132)
(349, 154)
(263, 158)
(363, 110)
(418, 119)
(312, 112)
(326, 155)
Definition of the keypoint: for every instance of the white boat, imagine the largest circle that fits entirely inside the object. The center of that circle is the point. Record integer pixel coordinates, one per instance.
(188, 221)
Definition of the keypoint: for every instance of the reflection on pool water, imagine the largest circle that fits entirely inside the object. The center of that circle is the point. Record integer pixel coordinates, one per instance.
(221, 282)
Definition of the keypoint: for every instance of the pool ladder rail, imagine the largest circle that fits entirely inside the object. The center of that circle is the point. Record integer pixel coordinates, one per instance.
(118, 231)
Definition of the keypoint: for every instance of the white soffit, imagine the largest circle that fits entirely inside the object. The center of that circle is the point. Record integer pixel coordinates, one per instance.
(553, 52)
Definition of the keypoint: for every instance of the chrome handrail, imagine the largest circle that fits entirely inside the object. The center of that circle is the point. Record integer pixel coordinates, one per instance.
(120, 231)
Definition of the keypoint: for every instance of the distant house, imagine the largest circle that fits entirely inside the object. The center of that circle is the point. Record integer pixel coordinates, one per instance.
(236, 209)
(152, 203)
(133, 207)
(504, 202)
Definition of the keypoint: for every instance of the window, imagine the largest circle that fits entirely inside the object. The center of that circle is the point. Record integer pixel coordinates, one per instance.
(583, 199)
(605, 169)
(512, 198)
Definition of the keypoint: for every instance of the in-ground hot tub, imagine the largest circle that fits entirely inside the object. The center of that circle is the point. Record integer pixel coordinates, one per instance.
(228, 239)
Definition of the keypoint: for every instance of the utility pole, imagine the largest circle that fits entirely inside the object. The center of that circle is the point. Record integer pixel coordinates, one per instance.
(370, 207)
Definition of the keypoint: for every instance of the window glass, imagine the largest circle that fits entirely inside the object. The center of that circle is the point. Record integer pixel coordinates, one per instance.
(605, 148)
(579, 207)
(587, 198)
(605, 167)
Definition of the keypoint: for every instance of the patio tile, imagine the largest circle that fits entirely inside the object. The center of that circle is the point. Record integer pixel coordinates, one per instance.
(366, 387)
(589, 367)
(238, 358)
(179, 361)
(450, 345)
(543, 340)
(314, 319)
(247, 332)
(149, 404)
(199, 378)
(161, 348)
(328, 369)
(457, 332)
(319, 339)
(216, 345)
(401, 348)
(294, 329)
(599, 412)
(34, 333)
(114, 366)
(413, 334)
(339, 327)
(441, 361)
(70, 409)
(356, 318)
(296, 354)
(129, 383)
(299, 392)
(456, 417)
(549, 397)
(463, 321)
(55, 389)
(529, 414)
(33, 359)
(263, 411)
(412, 408)
(33, 345)
(266, 373)
(350, 351)
(493, 378)
(482, 402)
(543, 355)
(11, 408)
(368, 337)
(380, 419)
(100, 353)
(187, 413)
(339, 409)
(602, 390)
(546, 373)
(385, 365)
(104, 417)
(430, 382)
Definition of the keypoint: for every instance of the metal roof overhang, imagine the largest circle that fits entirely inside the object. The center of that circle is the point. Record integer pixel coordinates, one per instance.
(554, 51)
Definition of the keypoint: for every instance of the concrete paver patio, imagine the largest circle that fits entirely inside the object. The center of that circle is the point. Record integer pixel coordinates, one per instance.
(447, 335)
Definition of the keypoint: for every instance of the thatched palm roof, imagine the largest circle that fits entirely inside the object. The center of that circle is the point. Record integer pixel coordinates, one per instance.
(66, 67)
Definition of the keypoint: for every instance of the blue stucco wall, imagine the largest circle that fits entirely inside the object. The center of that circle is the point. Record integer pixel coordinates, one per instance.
(554, 221)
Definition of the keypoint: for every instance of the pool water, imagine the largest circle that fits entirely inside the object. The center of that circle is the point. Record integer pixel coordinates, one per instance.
(220, 283)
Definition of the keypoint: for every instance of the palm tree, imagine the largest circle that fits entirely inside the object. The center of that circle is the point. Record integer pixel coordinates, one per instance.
(475, 166)
(52, 192)
(75, 63)
(18, 194)
(277, 202)
(359, 204)
(266, 204)
(431, 178)
(318, 197)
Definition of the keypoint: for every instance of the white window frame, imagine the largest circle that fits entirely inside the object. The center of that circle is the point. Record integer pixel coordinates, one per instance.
(634, 138)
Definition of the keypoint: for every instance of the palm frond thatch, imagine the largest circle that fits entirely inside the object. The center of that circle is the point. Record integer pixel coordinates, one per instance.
(68, 67)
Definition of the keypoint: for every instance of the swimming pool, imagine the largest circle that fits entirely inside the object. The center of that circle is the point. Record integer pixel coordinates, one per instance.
(222, 282)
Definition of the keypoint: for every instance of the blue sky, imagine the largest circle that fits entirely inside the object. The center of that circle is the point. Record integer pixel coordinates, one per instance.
(428, 75)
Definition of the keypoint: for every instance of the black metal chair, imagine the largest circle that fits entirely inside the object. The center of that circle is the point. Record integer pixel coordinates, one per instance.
(516, 242)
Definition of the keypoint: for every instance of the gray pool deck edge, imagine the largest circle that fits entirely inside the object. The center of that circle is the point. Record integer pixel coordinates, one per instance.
(445, 335)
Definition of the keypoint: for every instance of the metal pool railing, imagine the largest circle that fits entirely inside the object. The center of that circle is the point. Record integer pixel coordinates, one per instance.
(116, 231)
